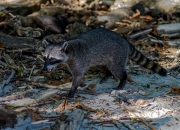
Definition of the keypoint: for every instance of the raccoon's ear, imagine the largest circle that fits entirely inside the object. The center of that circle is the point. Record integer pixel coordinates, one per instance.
(64, 46)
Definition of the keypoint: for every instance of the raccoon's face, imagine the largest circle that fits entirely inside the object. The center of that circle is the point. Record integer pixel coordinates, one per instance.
(55, 54)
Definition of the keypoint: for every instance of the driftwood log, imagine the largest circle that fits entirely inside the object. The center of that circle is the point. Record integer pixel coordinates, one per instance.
(12, 42)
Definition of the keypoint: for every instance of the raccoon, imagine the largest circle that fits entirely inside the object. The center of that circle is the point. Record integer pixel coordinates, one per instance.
(98, 47)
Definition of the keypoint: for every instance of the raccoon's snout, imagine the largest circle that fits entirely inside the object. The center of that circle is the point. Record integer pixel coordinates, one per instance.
(49, 67)
(45, 68)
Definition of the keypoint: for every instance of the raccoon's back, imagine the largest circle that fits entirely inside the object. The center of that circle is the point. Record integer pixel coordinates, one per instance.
(104, 44)
(103, 36)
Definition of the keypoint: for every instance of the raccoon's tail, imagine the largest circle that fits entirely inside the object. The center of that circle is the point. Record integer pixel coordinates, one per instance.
(140, 59)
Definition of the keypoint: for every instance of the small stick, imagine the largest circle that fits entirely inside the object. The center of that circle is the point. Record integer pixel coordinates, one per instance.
(31, 71)
(131, 113)
(51, 86)
(12, 15)
(3, 63)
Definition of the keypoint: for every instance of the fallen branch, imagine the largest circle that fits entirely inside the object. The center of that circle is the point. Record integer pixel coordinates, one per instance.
(18, 42)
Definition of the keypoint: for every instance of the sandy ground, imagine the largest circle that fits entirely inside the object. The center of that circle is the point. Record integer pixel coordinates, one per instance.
(147, 98)
(160, 109)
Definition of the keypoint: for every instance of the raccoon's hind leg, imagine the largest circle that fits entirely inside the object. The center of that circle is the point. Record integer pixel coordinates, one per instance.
(119, 71)
(105, 70)
(122, 82)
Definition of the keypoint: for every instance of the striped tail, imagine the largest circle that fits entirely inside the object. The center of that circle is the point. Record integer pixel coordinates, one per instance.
(140, 59)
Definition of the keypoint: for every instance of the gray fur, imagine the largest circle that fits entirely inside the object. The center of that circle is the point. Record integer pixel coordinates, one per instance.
(98, 47)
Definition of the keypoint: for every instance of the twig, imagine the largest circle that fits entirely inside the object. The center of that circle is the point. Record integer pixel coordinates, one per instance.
(10, 77)
(174, 35)
(142, 120)
(51, 86)
(13, 51)
(31, 71)
(12, 15)
(39, 57)
(3, 63)
(138, 34)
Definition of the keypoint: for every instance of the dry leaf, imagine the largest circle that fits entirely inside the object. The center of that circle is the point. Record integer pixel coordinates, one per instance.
(154, 30)
(91, 87)
(63, 106)
(34, 115)
(174, 90)
(148, 17)
(135, 24)
(135, 15)
(176, 119)
(140, 102)
(84, 107)
(168, 125)
(103, 112)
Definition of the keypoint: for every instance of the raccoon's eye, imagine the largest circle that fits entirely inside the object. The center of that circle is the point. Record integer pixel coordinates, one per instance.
(53, 60)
